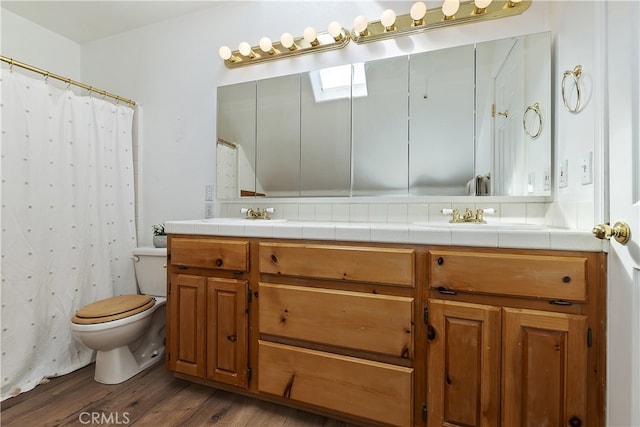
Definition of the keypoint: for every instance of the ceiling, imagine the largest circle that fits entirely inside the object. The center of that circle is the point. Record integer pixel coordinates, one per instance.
(86, 21)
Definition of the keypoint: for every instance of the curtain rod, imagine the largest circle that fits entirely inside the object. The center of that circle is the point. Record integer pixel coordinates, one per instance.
(67, 80)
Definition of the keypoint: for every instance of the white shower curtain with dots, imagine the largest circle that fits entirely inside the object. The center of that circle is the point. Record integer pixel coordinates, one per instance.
(68, 224)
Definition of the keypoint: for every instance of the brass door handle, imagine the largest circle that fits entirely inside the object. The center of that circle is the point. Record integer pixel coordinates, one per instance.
(620, 231)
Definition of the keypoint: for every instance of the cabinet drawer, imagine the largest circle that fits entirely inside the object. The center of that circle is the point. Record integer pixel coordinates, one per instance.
(535, 276)
(210, 253)
(349, 263)
(377, 323)
(358, 387)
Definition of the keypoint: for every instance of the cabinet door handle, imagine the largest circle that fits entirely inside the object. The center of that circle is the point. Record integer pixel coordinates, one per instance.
(431, 333)
(575, 421)
(231, 338)
(219, 262)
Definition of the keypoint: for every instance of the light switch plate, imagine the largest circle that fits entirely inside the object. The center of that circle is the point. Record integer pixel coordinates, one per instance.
(208, 210)
(586, 169)
(563, 178)
(208, 193)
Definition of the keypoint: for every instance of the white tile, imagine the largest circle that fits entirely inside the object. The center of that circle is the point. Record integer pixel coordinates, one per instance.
(340, 212)
(322, 231)
(288, 230)
(291, 211)
(205, 228)
(258, 229)
(524, 239)
(397, 213)
(417, 212)
(511, 213)
(487, 238)
(230, 230)
(390, 233)
(322, 212)
(359, 212)
(435, 212)
(586, 215)
(536, 213)
(575, 240)
(430, 236)
(180, 227)
(306, 212)
(378, 212)
(354, 231)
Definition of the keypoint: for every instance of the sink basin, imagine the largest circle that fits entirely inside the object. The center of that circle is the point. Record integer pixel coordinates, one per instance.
(242, 221)
(490, 226)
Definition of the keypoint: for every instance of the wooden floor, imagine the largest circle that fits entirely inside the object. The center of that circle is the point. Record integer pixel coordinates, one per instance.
(152, 398)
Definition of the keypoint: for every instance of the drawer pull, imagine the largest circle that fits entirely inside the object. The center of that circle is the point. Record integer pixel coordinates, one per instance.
(289, 386)
(445, 291)
(274, 259)
(440, 261)
(566, 279)
(219, 262)
(560, 302)
(182, 267)
(231, 338)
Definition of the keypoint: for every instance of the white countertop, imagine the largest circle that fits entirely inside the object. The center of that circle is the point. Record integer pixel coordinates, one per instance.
(521, 236)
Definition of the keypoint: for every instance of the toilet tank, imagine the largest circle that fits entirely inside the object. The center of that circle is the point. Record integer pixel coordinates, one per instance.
(151, 270)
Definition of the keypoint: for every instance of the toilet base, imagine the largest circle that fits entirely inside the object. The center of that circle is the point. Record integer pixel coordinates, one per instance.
(118, 365)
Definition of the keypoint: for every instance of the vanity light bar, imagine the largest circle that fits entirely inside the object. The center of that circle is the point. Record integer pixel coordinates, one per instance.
(288, 46)
(449, 15)
(420, 19)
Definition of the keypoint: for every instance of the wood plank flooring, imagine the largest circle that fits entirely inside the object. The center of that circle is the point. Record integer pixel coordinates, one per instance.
(152, 398)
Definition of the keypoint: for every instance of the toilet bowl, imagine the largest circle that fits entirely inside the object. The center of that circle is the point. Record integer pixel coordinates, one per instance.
(127, 331)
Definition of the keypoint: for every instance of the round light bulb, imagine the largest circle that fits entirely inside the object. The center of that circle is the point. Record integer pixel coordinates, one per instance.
(482, 4)
(335, 29)
(450, 7)
(360, 24)
(224, 52)
(286, 40)
(388, 18)
(265, 44)
(309, 34)
(418, 10)
(244, 48)
(516, 1)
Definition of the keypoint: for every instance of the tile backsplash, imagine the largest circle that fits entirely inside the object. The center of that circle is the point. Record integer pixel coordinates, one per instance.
(573, 215)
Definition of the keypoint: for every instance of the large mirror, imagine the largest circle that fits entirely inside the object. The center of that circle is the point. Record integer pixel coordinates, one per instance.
(468, 120)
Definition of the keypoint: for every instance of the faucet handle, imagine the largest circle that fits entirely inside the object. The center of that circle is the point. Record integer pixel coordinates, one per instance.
(244, 210)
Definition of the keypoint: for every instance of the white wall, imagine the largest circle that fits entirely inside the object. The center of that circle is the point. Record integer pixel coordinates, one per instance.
(172, 69)
(32, 44)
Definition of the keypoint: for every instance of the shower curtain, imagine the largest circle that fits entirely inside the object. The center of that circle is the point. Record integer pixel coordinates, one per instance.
(68, 222)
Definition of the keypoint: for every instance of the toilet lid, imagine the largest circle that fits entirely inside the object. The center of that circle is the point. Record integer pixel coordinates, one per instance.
(113, 308)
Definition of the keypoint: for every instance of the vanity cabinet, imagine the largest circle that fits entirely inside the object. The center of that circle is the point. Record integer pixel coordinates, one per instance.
(207, 316)
(392, 334)
(510, 338)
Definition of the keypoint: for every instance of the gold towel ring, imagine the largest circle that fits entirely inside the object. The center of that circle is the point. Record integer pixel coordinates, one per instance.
(536, 109)
(575, 75)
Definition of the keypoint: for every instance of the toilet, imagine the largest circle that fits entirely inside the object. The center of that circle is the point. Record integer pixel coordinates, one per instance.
(128, 331)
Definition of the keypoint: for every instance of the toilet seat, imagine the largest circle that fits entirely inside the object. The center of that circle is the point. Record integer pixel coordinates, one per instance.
(114, 308)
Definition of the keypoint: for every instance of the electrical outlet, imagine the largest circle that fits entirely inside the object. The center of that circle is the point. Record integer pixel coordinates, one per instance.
(208, 192)
(563, 180)
(586, 169)
(547, 180)
(208, 210)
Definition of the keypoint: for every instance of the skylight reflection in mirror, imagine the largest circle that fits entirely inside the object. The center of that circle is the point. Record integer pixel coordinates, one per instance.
(335, 82)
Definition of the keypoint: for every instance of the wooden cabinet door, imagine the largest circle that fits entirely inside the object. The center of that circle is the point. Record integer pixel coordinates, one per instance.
(186, 323)
(544, 368)
(227, 331)
(464, 364)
